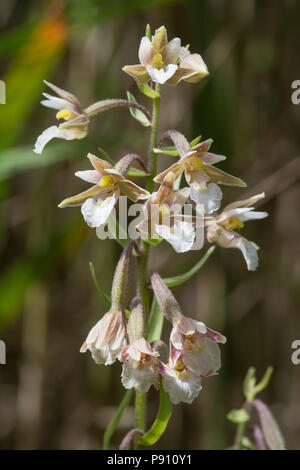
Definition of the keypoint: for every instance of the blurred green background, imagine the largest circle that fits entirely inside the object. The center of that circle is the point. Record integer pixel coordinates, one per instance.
(51, 397)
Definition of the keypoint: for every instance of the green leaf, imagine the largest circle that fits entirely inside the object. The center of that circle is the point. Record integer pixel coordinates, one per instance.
(238, 416)
(147, 91)
(106, 157)
(136, 113)
(161, 421)
(136, 172)
(181, 278)
(171, 150)
(155, 323)
(101, 292)
(115, 421)
(245, 442)
(196, 141)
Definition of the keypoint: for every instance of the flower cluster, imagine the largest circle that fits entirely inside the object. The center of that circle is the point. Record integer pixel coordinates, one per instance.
(193, 352)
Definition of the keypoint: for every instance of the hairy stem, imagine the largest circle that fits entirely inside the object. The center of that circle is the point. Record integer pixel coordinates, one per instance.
(141, 398)
(153, 138)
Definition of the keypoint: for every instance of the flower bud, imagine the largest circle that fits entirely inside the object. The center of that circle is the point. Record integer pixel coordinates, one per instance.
(136, 322)
(124, 282)
(165, 298)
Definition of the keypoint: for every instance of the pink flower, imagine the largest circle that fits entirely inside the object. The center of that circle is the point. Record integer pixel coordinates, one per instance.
(141, 366)
(107, 338)
(98, 201)
(166, 62)
(222, 228)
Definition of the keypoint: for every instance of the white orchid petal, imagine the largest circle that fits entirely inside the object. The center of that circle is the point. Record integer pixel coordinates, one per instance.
(255, 215)
(90, 176)
(161, 75)
(210, 198)
(172, 51)
(96, 212)
(205, 360)
(181, 389)
(140, 377)
(45, 137)
(56, 103)
(181, 236)
(249, 252)
(145, 50)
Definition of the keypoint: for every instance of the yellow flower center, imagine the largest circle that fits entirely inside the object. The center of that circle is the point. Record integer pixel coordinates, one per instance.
(157, 61)
(65, 114)
(195, 164)
(233, 223)
(105, 181)
(179, 366)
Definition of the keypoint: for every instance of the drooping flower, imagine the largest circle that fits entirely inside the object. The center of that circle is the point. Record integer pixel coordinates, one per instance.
(197, 164)
(166, 62)
(75, 120)
(222, 228)
(194, 352)
(180, 383)
(109, 183)
(162, 216)
(141, 366)
(107, 338)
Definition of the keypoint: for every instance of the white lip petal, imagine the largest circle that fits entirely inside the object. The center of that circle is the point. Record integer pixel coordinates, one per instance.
(255, 215)
(172, 51)
(96, 212)
(161, 75)
(45, 137)
(145, 50)
(90, 176)
(210, 198)
(181, 390)
(139, 377)
(181, 236)
(249, 252)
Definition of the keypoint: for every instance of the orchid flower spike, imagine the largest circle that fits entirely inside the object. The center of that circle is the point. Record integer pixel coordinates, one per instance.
(166, 62)
(222, 228)
(197, 164)
(194, 352)
(98, 201)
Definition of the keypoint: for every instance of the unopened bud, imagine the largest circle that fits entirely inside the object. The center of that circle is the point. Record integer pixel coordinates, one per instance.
(125, 163)
(124, 282)
(136, 322)
(165, 298)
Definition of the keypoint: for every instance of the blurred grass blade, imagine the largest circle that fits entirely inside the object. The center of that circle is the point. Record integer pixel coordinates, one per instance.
(181, 278)
(101, 292)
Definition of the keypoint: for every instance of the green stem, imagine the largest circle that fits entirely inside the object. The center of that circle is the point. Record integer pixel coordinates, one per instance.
(153, 138)
(141, 398)
(115, 421)
(239, 435)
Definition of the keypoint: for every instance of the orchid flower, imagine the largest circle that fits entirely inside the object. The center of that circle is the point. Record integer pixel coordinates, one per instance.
(194, 352)
(107, 338)
(166, 62)
(162, 216)
(98, 201)
(222, 229)
(197, 164)
(141, 366)
(75, 120)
